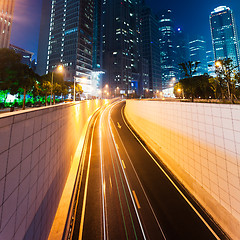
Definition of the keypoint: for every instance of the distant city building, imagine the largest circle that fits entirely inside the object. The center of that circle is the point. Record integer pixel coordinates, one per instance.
(197, 48)
(44, 38)
(224, 35)
(97, 35)
(182, 50)
(210, 63)
(70, 40)
(6, 18)
(26, 55)
(167, 43)
(121, 45)
(151, 49)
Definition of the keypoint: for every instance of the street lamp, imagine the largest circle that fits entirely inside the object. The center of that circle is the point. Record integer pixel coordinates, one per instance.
(58, 69)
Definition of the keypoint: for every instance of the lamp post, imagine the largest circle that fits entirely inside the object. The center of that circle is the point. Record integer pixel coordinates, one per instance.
(58, 69)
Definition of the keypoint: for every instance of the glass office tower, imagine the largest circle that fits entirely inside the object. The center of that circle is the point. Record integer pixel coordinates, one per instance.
(167, 35)
(151, 48)
(224, 34)
(6, 17)
(197, 48)
(121, 45)
(71, 39)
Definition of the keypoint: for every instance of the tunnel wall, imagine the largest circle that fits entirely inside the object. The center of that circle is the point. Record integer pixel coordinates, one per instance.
(36, 150)
(200, 144)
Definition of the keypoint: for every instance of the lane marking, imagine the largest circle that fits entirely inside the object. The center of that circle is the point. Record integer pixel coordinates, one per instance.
(141, 185)
(86, 185)
(123, 164)
(119, 126)
(129, 189)
(136, 199)
(104, 209)
(189, 203)
(110, 180)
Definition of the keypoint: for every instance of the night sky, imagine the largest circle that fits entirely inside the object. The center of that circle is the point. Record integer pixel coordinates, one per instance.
(192, 16)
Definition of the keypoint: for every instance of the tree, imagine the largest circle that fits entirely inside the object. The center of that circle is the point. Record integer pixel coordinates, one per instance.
(189, 69)
(78, 89)
(15, 76)
(26, 81)
(9, 65)
(225, 71)
(44, 86)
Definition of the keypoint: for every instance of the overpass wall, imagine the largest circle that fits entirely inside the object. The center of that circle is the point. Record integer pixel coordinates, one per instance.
(200, 144)
(36, 151)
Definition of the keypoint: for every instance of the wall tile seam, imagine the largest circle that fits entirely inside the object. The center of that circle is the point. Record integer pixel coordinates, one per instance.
(4, 186)
(14, 213)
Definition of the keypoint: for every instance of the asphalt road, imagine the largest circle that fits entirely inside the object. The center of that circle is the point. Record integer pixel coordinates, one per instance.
(127, 193)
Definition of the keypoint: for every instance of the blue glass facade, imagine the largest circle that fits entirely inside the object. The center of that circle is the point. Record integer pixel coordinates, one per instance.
(197, 48)
(169, 67)
(224, 35)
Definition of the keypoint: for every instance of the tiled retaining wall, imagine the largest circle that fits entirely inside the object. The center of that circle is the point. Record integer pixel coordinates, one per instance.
(200, 143)
(36, 147)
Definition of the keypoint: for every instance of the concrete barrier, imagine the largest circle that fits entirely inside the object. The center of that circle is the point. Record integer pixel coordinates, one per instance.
(36, 151)
(200, 144)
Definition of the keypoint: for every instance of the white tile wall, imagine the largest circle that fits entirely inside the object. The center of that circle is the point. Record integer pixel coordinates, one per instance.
(204, 139)
(35, 156)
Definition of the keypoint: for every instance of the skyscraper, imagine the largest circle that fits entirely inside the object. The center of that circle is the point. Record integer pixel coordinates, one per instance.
(97, 35)
(210, 63)
(70, 40)
(6, 17)
(224, 35)
(150, 48)
(169, 68)
(182, 50)
(197, 48)
(120, 45)
(44, 38)
(26, 55)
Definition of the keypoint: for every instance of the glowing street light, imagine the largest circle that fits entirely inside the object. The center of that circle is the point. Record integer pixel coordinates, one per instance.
(218, 64)
(58, 69)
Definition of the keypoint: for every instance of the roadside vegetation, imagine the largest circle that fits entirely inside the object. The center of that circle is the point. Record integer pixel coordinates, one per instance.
(29, 88)
(223, 88)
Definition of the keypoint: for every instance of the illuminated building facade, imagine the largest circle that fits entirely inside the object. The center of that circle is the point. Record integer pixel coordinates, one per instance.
(197, 48)
(121, 45)
(224, 35)
(182, 50)
(6, 17)
(97, 35)
(167, 43)
(210, 63)
(70, 40)
(150, 49)
(26, 55)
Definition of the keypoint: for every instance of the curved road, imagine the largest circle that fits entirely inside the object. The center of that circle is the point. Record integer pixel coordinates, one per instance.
(128, 194)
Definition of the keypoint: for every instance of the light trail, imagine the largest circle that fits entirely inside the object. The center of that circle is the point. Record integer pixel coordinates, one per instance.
(169, 178)
(129, 189)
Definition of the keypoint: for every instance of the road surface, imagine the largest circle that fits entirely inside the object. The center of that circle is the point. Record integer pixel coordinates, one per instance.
(127, 193)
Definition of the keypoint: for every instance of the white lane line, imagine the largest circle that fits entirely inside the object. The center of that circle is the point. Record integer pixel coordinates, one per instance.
(129, 189)
(190, 204)
(86, 186)
(141, 186)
